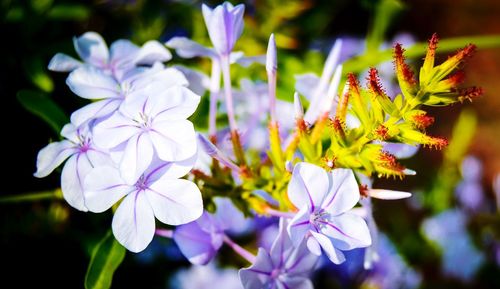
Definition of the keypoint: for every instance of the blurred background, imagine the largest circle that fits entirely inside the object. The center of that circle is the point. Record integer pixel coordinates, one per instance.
(446, 236)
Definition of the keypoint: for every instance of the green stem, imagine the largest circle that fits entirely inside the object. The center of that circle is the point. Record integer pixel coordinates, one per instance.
(362, 62)
(31, 197)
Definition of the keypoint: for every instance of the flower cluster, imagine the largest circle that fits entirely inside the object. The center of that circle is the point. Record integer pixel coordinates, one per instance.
(132, 145)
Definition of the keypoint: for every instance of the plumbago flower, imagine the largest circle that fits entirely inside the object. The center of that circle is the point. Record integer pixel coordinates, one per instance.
(95, 84)
(122, 57)
(81, 154)
(224, 24)
(324, 220)
(285, 266)
(200, 240)
(158, 192)
(148, 125)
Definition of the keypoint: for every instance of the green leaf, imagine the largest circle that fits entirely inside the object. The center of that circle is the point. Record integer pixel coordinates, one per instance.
(37, 73)
(107, 255)
(42, 106)
(73, 12)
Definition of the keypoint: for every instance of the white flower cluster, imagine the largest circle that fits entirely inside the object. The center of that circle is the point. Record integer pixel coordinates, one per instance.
(132, 144)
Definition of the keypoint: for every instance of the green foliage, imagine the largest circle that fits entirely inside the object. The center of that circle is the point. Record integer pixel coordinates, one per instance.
(41, 105)
(106, 257)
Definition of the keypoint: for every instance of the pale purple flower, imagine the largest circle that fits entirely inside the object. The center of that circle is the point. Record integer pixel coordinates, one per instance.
(81, 154)
(158, 192)
(122, 57)
(147, 125)
(199, 241)
(224, 24)
(285, 266)
(392, 271)
(448, 231)
(324, 201)
(469, 191)
(207, 276)
(92, 83)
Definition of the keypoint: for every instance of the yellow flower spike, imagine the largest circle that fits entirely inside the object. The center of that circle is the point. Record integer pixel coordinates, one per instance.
(341, 111)
(381, 100)
(426, 70)
(410, 136)
(405, 75)
(359, 106)
(453, 62)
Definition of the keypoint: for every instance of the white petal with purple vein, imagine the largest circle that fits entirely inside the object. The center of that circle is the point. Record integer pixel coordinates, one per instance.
(134, 222)
(175, 202)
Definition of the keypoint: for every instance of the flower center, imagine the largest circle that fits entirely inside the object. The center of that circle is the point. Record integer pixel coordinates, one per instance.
(145, 121)
(141, 185)
(275, 273)
(317, 218)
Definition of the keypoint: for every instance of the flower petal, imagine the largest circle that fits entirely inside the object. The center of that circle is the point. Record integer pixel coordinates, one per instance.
(308, 186)
(151, 52)
(195, 244)
(187, 48)
(103, 192)
(299, 226)
(336, 256)
(92, 48)
(343, 194)
(259, 273)
(122, 52)
(297, 282)
(174, 140)
(313, 246)
(51, 156)
(92, 83)
(282, 245)
(348, 231)
(175, 202)
(175, 103)
(306, 84)
(134, 222)
(198, 81)
(93, 110)
(302, 262)
(63, 63)
(73, 174)
(388, 194)
(136, 158)
(115, 130)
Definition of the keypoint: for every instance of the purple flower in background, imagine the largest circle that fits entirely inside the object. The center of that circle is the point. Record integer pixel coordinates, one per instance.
(157, 193)
(448, 230)
(285, 266)
(324, 219)
(200, 240)
(82, 155)
(92, 83)
(469, 191)
(224, 24)
(147, 125)
(206, 277)
(122, 57)
(391, 272)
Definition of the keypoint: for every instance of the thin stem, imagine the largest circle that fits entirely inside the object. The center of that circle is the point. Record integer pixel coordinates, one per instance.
(165, 233)
(226, 75)
(235, 138)
(214, 94)
(280, 214)
(31, 197)
(272, 95)
(240, 250)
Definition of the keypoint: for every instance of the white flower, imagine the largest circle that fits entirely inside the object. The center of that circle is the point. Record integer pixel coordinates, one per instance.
(93, 83)
(157, 193)
(224, 24)
(145, 125)
(82, 155)
(325, 201)
(122, 57)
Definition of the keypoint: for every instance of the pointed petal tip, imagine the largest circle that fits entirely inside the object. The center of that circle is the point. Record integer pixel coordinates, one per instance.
(299, 108)
(388, 194)
(271, 56)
